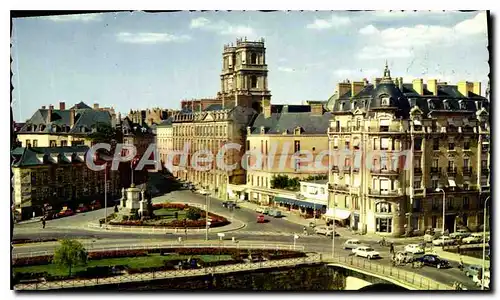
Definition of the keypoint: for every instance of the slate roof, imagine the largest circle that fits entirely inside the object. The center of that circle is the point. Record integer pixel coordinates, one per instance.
(165, 123)
(213, 107)
(290, 117)
(134, 128)
(42, 155)
(85, 117)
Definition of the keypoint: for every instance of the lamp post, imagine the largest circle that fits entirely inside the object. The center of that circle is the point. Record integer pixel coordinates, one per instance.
(333, 233)
(444, 207)
(131, 172)
(206, 215)
(484, 242)
(106, 197)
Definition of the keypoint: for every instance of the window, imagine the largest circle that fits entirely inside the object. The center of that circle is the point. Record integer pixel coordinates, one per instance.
(451, 164)
(466, 202)
(64, 143)
(248, 145)
(335, 143)
(296, 146)
(375, 144)
(434, 221)
(435, 183)
(417, 162)
(465, 186)
(347, 145)
(418, 145)
(384, 225)
(484, 164)
(347, 162)
(435, 144)
(466, 162)
(322, 191)
(435, 162)
(466, 145)
(416, 184)
(451, 146)
(261, 146)
(356, 143)
(383, 207)
(35, 143)
(28, 143)
(383, 163)
(53, 143)
(375, 163)
(253, 82)
(346, 201)
(384, 145)
(385, 101)
(253, 59)
(266, 149)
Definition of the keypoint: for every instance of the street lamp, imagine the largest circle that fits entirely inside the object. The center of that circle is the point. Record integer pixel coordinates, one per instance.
(484, 242)
(333, 233)
(207, 223)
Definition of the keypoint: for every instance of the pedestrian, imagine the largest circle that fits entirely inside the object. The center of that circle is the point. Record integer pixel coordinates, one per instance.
(43, 222)
(305, 230)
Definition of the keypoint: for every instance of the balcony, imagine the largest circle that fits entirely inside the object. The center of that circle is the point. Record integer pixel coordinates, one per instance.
(335, 169)
(346, 169)
(385, 171)
(467, 171)
(339, 187)
(338, 129)
(435, 170)
(382, 193)
(451, 171)
(485, 171)
(417, 170)
(418, 191)
(355, 169)
(485, 147)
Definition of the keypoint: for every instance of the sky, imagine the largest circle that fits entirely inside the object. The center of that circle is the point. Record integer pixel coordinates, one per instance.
(139, 60)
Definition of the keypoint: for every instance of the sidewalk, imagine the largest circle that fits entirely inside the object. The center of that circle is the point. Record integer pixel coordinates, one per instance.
(468, 260)
(32, 220)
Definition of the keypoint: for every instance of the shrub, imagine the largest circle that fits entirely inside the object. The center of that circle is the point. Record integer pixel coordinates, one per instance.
(179, 206)
(193, 213)
(32, 261)
(124, 218)
(18, 277)
(116, 254)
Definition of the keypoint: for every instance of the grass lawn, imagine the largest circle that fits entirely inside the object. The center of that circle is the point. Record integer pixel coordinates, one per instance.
(170, 212)
(152, 260)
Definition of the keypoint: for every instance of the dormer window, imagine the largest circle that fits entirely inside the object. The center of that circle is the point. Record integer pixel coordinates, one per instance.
(253, 59)
(385, 101)
(354, 105)
(462, 105)
(262, 130)
(297, 131)
(342, 105)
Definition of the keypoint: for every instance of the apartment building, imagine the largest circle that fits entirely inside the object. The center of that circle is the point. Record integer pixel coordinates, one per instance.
(399, 148)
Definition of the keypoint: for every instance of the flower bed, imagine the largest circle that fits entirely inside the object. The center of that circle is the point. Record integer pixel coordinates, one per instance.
(116, 254)
(179, 206)
(32, 261)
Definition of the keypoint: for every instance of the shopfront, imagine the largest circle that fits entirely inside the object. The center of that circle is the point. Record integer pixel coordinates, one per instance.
(303, 208)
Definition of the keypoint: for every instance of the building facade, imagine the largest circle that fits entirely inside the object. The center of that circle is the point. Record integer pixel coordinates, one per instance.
(57, 176)
(150, 116)
(243, 92)
(199, 104)
(399, 148)
(63, 127)
(164, 140)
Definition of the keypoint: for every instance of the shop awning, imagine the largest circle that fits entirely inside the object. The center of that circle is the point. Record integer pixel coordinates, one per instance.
(338, 213)
(290, 201)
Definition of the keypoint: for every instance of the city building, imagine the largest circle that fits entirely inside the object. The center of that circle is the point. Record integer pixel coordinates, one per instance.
(64, 127)
(199, 104)
(150, 116)
(139, 135)
(164, 140)
(399, 148)
(283, 134)
(243, 92)
(56, 176)
(311, 197)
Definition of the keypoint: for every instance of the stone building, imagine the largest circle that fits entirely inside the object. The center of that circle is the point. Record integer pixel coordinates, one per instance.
(63, 127)
(394, 144)
(56, 176)
(243, 92)
(136, 134)
(199, 104)
(150, 116)
(164, 140)
(281, 133)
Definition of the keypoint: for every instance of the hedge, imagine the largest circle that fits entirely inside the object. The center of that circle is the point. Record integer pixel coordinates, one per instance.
(32, 261)
(26, 241)
(116, 254)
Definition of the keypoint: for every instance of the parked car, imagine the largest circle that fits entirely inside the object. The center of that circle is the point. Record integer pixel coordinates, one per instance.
(275, 213)
(472, 270)
(262, 210)
(82, 208)
(351, 244)
(414, 248)
(443, 240)
(327, 231)
(433, 261)
(261, 219)
(96, 204)
(366, 251)
(404, 256)
(460, 233)
(66, 211)
(474, 238)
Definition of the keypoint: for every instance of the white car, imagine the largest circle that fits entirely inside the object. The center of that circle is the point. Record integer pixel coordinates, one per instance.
(351, 244)
(366, 251)
(474, 238)
(443, 240)
(460, 233)
(327, 231)
(414, 248)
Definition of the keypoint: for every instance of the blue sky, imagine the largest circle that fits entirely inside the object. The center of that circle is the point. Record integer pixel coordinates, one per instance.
(140, 60)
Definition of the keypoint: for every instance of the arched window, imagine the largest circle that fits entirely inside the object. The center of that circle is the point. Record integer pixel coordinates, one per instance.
(253, 59)
(383, 207)
(385, 101)
(253, 82)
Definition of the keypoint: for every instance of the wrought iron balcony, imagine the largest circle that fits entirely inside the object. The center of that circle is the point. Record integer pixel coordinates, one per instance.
(335, 169)
(385, 171)
(435, 170)
(467, 170)
(339, 187)
(485, 171)
(373, 192)
(451, 170)
(346, 169)
(417, 170)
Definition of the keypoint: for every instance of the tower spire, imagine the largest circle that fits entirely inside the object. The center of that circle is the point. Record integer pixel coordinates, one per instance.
(387, 72)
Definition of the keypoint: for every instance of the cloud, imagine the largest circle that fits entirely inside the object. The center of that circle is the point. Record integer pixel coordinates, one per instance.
(333, 22)
(221, 27)
(75, 18)
(395, 14)
(150, 38)
(402, 41)
(286, 69)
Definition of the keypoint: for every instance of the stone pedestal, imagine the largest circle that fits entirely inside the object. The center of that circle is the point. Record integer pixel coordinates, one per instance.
(133, 197)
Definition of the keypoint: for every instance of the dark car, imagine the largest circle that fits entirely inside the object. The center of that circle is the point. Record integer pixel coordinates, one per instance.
(433, 261)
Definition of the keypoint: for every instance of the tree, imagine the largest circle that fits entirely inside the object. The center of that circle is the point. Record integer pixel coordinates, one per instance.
(193, 213)
(104, 133)
(71, 253)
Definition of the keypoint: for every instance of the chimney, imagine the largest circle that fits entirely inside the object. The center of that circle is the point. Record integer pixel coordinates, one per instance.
(49, 114)
(316, 109)
(365, 81)
(432, 86)
(356, 87)
(418, 86)
(62, 106)
(71, 118)
(96, 106)
(476, 88)
(266, 108)
(343, 88)
(43, 107)
(464, 87)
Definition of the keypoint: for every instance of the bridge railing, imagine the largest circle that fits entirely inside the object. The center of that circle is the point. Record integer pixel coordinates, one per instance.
(237, 245)
(128, 278)
(397, 274)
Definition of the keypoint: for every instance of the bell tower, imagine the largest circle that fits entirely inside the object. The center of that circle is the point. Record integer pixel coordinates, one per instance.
(244, 75)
